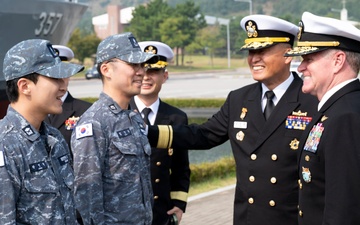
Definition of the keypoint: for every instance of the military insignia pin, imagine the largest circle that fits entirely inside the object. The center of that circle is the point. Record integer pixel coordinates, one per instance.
(243, 113)
(240, 136)
(71, 122)
(306, 174)
(28, 130)
(301, 28)
(324, 118)
(151, 49)
(170, 151)
(251, 29)
(294, 144)
(112, 107)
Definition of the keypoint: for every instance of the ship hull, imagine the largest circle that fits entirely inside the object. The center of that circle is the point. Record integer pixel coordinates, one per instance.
(27, 19)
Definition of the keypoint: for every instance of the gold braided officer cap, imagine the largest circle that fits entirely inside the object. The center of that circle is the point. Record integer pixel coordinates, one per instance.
(164, 52)
(264, 31)
(318, 33)
(65, 53)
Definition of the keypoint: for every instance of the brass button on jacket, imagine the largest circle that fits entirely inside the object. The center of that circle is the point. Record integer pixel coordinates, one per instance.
(251, 200)
(300, 213)
(274, 157)
(253, 156)
(273, 180)
(272, 203)
(251, 178)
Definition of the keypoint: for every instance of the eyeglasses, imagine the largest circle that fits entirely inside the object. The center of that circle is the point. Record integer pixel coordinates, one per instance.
(136, 66)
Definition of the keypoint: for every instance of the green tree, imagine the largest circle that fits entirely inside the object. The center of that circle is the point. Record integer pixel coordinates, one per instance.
(173, 35)
(146, 20)
(192, 21)
(210, 38)
(83, 45)
(177, 26)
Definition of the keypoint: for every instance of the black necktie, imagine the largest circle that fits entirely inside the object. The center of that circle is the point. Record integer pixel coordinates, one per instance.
(269, 104)
(146, 112)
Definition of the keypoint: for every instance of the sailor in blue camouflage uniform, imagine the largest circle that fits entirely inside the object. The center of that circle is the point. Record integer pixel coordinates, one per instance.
(111, 150)
(35, 165)
(170, 171)
(329, 165)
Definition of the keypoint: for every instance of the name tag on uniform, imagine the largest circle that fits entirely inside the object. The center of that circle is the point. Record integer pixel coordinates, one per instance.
(240, 124)
(36, 167)
(124, 133)
(63, 159)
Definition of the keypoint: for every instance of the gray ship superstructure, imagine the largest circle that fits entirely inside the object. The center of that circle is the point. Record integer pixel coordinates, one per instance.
(53, 20)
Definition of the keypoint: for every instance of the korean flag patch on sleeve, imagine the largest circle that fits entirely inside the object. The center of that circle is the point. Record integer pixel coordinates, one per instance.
(84, 130)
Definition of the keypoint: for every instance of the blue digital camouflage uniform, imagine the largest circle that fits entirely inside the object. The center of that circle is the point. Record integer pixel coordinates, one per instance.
(35, 174)
(112, 166)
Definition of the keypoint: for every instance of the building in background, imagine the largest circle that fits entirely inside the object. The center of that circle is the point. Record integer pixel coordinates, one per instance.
(113, 22)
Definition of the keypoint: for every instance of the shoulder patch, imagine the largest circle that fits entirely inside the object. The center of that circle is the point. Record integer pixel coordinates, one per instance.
(84, 130)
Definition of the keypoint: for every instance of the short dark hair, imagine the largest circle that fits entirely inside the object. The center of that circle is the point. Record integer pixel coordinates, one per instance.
(12, 90)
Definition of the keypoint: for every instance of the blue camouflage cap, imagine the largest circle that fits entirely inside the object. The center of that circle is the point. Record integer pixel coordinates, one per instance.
(124, 47)
(36, 56)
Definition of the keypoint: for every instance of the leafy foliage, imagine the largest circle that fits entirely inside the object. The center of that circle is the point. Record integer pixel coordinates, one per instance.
(195, 103)
(83, 45)
(220, 169)
(184, 102)
(179, 23)
(230, 8)
(146, 21)
(159, 22)
(210, 38)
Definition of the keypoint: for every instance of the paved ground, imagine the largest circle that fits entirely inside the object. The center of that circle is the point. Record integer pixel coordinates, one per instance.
(211, 208)
(215, 84)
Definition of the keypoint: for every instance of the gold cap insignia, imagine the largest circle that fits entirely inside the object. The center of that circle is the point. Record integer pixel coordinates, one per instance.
(251, 29)
(151, 49)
